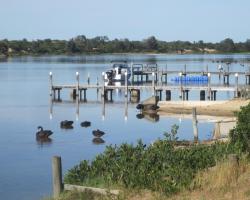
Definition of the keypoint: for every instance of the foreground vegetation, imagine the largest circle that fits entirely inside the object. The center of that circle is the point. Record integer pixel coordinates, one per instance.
(224, 182)
(163, 168)
(103, 44)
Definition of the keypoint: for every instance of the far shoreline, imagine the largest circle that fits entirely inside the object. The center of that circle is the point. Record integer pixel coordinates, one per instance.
(126, 53)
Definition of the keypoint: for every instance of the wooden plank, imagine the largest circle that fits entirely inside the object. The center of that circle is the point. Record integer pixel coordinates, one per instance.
(84, 189)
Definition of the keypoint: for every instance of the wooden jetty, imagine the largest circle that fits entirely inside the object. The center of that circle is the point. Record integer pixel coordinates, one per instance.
(157, 86)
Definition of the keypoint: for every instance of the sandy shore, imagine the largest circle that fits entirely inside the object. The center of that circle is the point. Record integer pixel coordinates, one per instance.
(211, 108)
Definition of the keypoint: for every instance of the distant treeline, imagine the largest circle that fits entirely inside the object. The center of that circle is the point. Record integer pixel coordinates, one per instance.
(102, 44)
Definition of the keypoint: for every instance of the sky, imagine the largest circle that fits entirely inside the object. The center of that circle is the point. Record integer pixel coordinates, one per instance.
(169, 20)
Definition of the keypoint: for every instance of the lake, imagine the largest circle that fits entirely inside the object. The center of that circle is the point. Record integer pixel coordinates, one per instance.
(25, 168)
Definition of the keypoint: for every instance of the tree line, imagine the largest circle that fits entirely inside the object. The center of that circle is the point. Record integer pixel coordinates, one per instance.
(102, 44)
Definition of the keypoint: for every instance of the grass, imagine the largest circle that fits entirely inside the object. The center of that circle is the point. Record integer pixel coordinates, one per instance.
(225, 181)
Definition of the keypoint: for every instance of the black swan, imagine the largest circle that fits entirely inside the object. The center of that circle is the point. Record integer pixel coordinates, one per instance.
(98, 140)
(140, 106)
(154, 107)
(43, 133)
(140, 116)
(98, 133)
(66, 124)
(85, 124)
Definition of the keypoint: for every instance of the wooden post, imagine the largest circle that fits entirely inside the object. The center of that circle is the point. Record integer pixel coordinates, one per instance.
(77, 109)
(153, 84)
(88, 79)
(50, 83)
(103, 84)
(103, 107)
(236, 85)
(209, 86)
(126, 84)
(97, 84)
(51, 108)
(195, 129)
(132, 73)
(77, 86)
(57, 176)
(126, 109)
(181, 89)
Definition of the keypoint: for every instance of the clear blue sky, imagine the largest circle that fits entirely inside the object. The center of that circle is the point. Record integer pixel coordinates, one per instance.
(193, 20)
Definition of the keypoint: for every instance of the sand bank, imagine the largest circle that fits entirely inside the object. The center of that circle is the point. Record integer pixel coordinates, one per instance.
(210, 108)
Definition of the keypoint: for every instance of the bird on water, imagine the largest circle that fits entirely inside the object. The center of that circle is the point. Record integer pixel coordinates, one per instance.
(86, 124)
(66, 124)
(98, 133)
(43, 133)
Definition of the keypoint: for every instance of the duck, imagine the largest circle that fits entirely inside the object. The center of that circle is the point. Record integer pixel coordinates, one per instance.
(66, 124)
(98, 133)
(42, 134)
(85, 124)
(98, 140)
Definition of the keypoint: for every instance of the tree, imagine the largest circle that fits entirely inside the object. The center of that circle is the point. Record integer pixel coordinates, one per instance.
(247, 44)
(4, 47)
(227, 45)
(240, 135)
(151, 43)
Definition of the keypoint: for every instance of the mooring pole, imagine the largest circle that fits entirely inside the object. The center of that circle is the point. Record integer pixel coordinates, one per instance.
(88, 79)
(209, 86)
(236, 84)
(77, 86)
(103, 108)
(126, 84)
(195, 129)
(126, 110)
(180, 75)
(103, 84)
(50, 83)
(153, 84)
(132, 73)
(51, 108)
(57, 176)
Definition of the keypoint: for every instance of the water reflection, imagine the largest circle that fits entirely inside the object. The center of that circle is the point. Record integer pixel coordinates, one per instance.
(152, 117)
(98, 140)
(44, 142)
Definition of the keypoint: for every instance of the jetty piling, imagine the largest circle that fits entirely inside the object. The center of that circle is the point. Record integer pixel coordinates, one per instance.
(50, 83)
(88, 79)
(236, 93)
(181, 89)
(77, 85)
(126, 84)
(153, 84)
(209, 86)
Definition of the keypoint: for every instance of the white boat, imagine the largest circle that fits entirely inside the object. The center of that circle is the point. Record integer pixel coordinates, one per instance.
(117, 72)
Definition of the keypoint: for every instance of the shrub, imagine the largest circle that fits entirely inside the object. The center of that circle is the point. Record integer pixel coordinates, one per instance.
(158, 167)
(240, 135)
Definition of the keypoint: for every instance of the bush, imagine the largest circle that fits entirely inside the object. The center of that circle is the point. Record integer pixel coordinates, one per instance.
(240, 135)
(158, 167)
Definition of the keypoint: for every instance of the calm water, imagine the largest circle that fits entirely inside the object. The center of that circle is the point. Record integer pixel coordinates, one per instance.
(25, 167)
